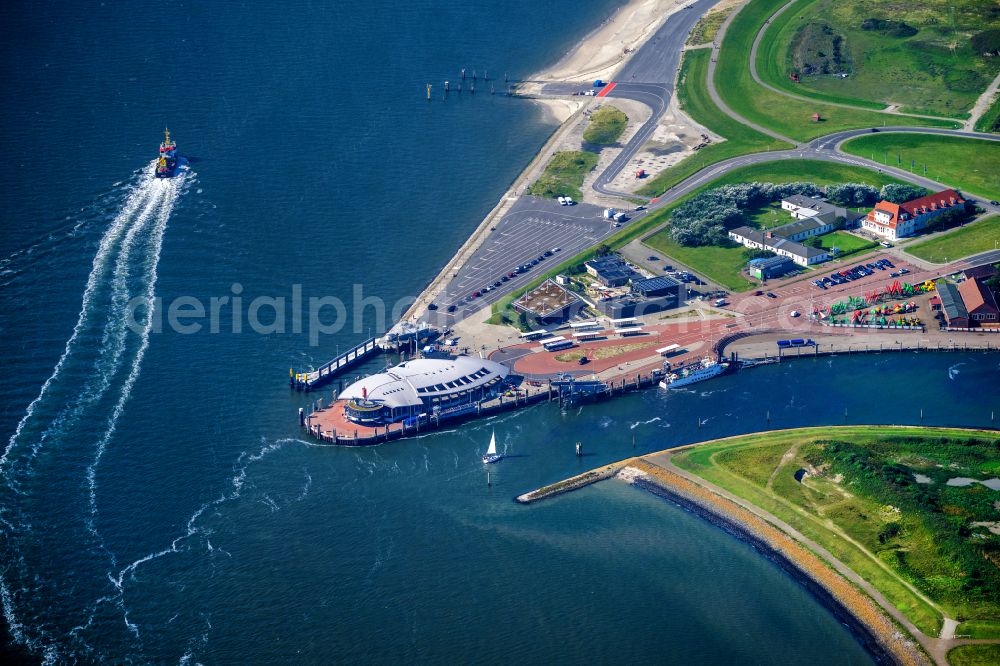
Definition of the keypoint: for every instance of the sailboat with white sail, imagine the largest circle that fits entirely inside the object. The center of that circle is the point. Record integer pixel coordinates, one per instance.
(491, 453)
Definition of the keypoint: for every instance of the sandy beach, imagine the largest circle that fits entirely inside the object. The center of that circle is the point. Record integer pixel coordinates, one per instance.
(601, 52)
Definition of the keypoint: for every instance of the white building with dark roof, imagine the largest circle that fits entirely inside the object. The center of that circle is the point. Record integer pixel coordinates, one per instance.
(766, 240)
(422, 386)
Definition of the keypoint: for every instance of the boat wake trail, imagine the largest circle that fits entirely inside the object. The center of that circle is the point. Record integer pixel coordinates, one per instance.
(55, 565)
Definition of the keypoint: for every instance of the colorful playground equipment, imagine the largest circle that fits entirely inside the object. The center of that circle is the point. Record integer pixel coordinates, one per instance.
(872, 309)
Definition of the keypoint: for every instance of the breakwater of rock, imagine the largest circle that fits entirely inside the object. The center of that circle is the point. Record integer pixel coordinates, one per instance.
(573, 483)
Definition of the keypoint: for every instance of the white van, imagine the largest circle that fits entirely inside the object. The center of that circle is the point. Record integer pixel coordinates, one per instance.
(562, 201)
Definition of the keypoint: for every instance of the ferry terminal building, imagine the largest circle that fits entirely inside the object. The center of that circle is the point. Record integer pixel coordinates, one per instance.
(423, 386)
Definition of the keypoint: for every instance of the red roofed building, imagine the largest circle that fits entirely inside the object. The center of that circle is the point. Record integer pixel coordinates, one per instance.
(894, 221)
(979, 303)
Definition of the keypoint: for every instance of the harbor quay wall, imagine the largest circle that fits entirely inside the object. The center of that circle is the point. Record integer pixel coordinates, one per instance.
(873, 627)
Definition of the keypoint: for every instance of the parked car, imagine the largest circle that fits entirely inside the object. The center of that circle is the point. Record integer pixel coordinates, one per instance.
(569, 201)
(547, 253)
(771, 294)
(504, 278)
(452, 308)
(758, 293)
(794, 313)
(583, 360)
(894, 274)
(562, 201)
(477, 294)
(653, 258)
(904, 271)
(432, 306)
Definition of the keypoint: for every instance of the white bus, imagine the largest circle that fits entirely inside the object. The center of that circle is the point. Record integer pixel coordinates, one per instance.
(559, 344)
(533, 335)
(668, 350)
(592, 323)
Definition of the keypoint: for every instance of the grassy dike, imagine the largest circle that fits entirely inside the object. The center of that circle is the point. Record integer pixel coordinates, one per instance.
(851, 492)
(692, 93)
(971, 165)
(788, 116)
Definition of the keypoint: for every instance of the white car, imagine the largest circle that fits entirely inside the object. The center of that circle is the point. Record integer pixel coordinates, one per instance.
(562, 201)
(795, 313)
(569, 201)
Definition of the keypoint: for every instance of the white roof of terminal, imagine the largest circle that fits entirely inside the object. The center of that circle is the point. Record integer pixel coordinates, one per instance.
(406, 383)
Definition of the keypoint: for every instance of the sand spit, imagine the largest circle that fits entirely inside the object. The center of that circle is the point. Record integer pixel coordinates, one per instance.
(876, 629)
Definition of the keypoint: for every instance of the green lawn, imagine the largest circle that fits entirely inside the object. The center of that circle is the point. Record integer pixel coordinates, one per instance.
(769, 216)
(692, 93)
(934, 71)
(564, 174)
(605, 126)
(719, 264)
(976, 237)
(971, 165)
(862, 485)
(809, 171)
(848, 244)
(790, 117)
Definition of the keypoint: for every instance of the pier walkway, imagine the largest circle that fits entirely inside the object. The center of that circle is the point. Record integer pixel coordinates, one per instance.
(307, 381)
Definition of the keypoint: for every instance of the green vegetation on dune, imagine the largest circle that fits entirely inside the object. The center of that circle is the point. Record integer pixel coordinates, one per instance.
(970, 165)
(990, 120)
(605, 126)
(855, 491)
(788, 116)
(692, 92)
(564, 174)
(708, 26)
(919, 55)
(811, 171)
(974, 655)
(974, 238)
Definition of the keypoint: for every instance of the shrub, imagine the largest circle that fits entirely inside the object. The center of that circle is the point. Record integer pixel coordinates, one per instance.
(889, 28)
(987, 42)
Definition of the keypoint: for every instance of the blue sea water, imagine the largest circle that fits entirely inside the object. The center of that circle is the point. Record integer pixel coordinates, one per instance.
(157, 503)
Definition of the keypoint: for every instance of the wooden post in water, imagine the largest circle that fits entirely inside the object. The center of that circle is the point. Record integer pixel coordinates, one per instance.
(428, 91)
(579, 449)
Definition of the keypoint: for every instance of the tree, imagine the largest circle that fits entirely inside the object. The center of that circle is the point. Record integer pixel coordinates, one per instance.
(898, 193)
(814, 241)
(852, 194)
(994, 282)
(602, 250)
(987, 42)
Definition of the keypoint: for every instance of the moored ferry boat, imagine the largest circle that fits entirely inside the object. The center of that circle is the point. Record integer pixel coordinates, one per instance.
(705, 369)
(166, 164)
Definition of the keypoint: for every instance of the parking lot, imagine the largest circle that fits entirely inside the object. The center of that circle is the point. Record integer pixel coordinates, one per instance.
(533, 226)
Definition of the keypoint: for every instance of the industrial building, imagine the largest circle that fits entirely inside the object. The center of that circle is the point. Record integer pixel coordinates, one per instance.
(770, 267)
(611, 271)
(423, 386)
(647, 296)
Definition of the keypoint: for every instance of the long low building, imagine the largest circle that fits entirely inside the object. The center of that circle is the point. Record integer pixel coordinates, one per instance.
(422, 386)
(802, 255)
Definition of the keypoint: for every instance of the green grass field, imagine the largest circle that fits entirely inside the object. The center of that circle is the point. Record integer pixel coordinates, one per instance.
(979, 236)
(971, 165)
(848, 244)
(853, 490)
(695, 101)
(564, 174)
(790, 117)
(605, 126)
(934, 71)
